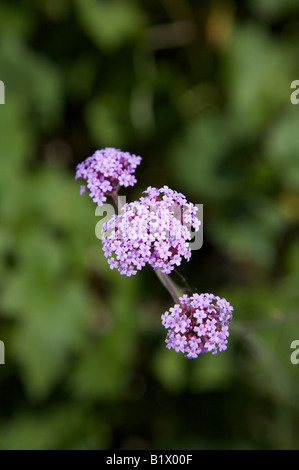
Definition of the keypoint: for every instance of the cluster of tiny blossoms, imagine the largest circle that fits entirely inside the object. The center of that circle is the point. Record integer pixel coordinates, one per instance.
(198, 324)
(105, 170)
(155, 229)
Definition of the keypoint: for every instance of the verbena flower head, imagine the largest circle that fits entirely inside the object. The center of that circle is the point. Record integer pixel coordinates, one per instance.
(155, 229)
(198, 324)
(105, 170)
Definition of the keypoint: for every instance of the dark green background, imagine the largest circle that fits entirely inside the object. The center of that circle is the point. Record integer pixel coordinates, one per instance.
(201, 90)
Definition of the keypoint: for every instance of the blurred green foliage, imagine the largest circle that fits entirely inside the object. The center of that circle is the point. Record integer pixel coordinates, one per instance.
(201, 90)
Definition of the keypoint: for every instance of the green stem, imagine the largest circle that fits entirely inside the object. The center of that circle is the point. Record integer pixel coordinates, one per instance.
(116, 199)
(169, 285)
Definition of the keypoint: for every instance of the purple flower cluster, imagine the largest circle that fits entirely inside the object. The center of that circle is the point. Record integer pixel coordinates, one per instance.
(198, 324)
(105, 170)
(154, 229)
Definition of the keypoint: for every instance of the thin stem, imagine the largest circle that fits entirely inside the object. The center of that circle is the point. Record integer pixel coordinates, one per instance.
(169, 285)
(116, 199)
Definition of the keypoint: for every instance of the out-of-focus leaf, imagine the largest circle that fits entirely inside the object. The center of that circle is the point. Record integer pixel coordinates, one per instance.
(250, 236)
(199, 156)
(15, 18)
(102, 369)
(212, 372)
(16, 137)
(292, 258)
(108, 120)
(281, 148)
(42, 353)
(169, 368)
(37, 297)
(109, 24)
(31, 78)
(273, 9)
(61, 427)
(259, 71)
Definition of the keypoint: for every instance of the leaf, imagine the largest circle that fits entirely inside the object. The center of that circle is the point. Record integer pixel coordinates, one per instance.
(273, 9)
(61, 426)
(281, 148)
(200, 153)
(259, 71)
(109, 23)
(39, 89)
